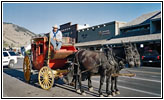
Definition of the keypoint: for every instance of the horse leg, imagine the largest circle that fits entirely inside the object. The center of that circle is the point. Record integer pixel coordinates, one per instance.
(102, 77)
(77, 74)
(80, 85)
(112, 82)
(76, 84)
(107, 86)
(116, 80)
(90, 88)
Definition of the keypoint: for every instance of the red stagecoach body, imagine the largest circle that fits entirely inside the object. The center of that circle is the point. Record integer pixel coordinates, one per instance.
(39, 49)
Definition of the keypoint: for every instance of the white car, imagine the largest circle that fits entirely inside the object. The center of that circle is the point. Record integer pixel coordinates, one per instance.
(9, 58)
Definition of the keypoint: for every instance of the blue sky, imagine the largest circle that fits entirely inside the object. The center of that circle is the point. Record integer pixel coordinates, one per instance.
(40, 17)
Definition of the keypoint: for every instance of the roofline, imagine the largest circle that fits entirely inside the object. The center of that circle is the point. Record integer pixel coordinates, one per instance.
(101, 24)
(158, 12)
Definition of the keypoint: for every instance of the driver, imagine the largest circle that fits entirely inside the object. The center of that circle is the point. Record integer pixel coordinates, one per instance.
(56, 37)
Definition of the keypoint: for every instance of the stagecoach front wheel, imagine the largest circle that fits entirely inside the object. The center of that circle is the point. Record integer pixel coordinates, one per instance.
(45, 77)
(27, 68)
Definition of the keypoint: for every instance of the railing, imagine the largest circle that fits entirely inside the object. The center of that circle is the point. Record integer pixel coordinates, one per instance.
(68, 40)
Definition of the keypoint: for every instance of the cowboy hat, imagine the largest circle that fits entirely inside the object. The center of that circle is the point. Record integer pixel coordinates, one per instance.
(55, 26)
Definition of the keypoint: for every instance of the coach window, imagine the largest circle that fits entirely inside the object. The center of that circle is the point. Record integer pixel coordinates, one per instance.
(34, 47)
(40, 49)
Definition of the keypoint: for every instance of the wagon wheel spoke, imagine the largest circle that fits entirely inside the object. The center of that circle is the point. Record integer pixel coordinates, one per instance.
(46, 78)
(41, 73)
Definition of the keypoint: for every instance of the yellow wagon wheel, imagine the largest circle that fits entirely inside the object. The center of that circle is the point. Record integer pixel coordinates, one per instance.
(27, 68)
(45, 77)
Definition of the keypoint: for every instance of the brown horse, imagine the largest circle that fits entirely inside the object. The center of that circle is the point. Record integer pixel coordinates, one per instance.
(119, 64)
(104, 64)
(128, 52)
(90, 63)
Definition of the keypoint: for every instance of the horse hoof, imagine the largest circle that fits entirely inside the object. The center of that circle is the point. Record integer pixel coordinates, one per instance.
(113, 94)
(72, 84)
(109, 95)
(117, 92)
(91, 89)
(84, 94)
(78, 91)
(101, 96)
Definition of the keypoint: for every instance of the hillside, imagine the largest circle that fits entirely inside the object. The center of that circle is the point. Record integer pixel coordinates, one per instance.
(15, 36)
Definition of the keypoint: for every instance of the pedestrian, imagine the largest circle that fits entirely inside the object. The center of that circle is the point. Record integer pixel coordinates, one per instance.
(56, 37)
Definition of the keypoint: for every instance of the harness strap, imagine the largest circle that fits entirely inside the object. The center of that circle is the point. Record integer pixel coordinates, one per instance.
(90, 68)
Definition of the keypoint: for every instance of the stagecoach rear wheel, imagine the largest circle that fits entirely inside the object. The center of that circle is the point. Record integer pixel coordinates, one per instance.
(46, 78)
(27, 68)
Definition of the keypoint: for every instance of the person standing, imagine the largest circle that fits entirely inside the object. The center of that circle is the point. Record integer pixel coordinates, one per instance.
(56, 37)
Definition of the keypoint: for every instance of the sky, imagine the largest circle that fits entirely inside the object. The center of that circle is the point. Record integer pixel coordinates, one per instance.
(40, 17)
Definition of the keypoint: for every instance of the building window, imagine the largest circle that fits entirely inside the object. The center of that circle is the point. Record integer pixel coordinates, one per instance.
(141, 28)
(84, 36)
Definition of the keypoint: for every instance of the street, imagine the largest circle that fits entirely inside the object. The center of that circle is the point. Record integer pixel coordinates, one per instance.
(146, 83)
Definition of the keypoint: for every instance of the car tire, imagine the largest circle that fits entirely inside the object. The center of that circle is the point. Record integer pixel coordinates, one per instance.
(11, 64)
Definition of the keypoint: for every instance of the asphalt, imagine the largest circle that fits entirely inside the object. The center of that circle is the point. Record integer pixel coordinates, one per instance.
(146, 83)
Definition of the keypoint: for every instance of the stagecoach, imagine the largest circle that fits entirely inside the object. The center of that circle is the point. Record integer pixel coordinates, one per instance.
(48, 62)
(52, 64)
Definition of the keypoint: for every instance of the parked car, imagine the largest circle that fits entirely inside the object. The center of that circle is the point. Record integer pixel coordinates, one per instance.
(151, 57)
(9, 58)
(19, 55)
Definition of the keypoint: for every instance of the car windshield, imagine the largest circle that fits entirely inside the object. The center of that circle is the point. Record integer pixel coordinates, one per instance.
(12, 53)
(151, 53)
(5, 54)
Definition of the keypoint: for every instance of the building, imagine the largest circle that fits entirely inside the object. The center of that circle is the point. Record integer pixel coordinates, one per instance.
(145, 31)
(145, 24)
(83, 26)
(69, 30)
(99, 32)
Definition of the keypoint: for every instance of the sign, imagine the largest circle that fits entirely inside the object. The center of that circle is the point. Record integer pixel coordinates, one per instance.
(104, 32)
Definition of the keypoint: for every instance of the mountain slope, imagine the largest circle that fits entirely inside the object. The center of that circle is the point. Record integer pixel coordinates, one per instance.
(16, 36)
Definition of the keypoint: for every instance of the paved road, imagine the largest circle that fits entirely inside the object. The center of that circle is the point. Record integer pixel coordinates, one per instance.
(146, 83)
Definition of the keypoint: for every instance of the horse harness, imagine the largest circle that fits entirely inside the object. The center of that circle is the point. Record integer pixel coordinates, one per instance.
(76, 58)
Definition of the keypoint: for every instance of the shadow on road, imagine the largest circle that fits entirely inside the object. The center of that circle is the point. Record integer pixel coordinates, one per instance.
(17, 73)
(14, 73)
(72, 89)
(85, 88)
